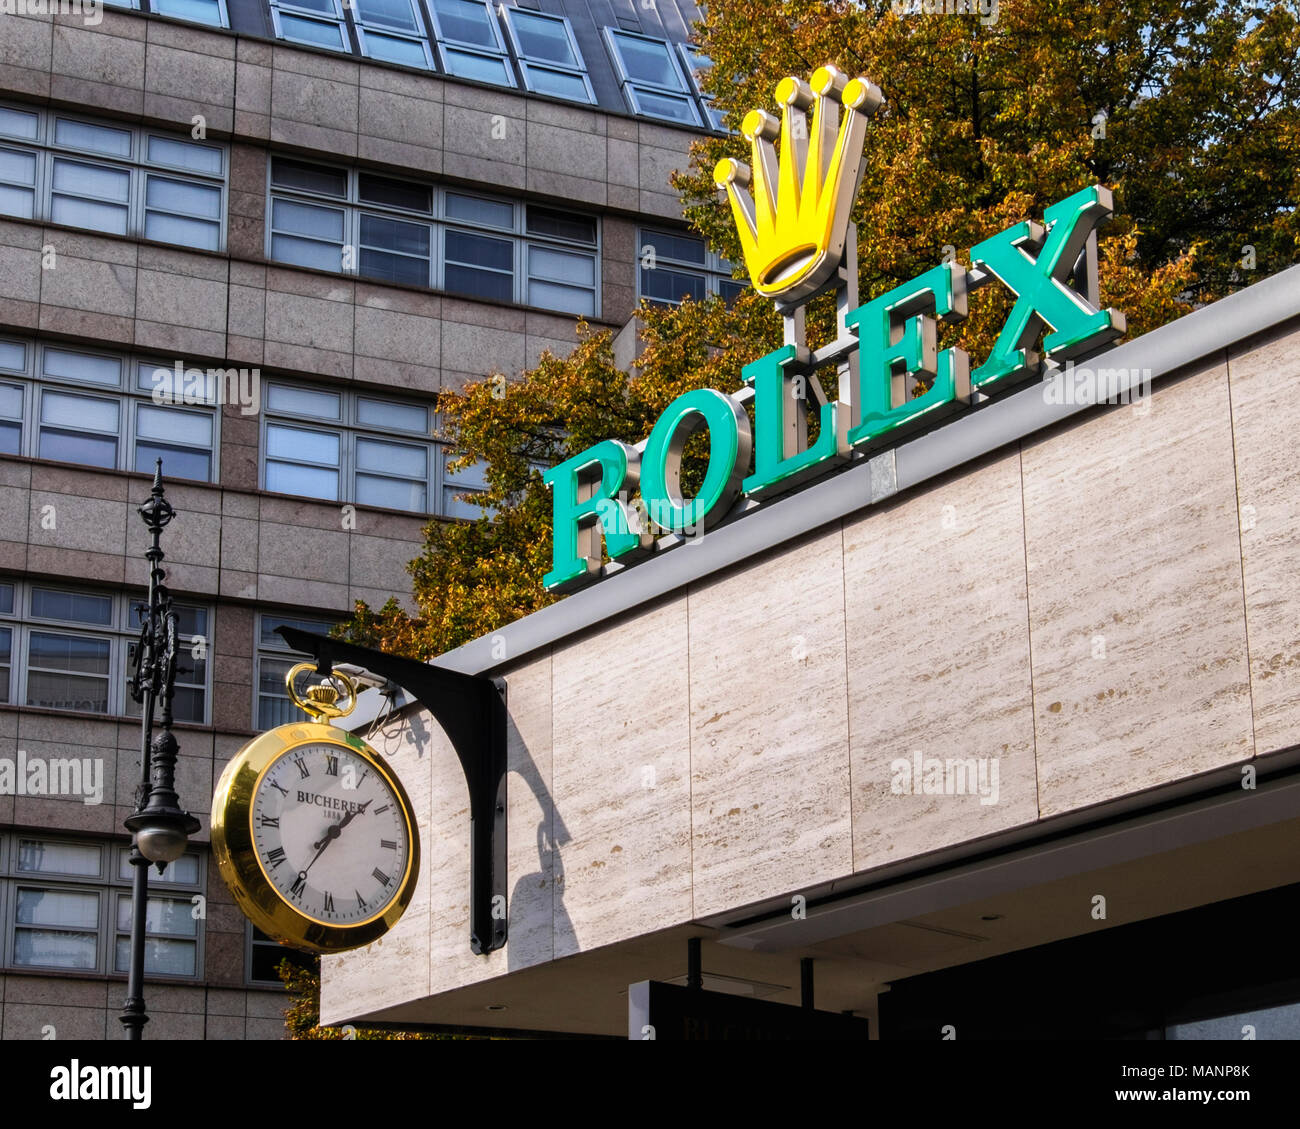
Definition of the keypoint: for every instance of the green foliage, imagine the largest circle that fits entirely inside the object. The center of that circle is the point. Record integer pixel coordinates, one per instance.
(302, 1017)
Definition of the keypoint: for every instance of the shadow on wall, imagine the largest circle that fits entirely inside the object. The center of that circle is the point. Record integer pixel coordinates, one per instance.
(538, 896)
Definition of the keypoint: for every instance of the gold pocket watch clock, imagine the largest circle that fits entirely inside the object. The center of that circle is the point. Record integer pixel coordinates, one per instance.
(313, 833)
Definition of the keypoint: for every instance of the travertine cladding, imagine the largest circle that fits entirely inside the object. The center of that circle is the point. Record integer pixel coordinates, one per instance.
(938, 657)
(1266, 427)
(769, 732)
(621, 781)
(1072, 607)
(1135, 600)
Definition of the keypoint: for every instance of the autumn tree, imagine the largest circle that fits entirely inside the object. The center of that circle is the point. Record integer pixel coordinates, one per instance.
(1186, 109)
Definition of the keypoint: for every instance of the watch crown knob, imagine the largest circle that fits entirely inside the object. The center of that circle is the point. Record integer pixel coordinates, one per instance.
(323, 695)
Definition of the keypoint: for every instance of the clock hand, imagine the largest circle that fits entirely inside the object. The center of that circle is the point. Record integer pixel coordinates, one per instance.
(334, 830)
(331, 834)
(355, 812)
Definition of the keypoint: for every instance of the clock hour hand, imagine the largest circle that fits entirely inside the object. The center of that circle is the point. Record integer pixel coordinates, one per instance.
(355, 812)
(334, 830)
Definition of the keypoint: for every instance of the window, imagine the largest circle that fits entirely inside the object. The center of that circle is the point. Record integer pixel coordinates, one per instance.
(210, 12)
(392, 30)
(100, 409)
(263, 955)
(348, 447)
(110, 178)
(548, 53)
(459, 487)
(695, 63)
(67, 905)
(674, 266)
(317, 23)
(343, 446)
(419, 234)
(651, 78)
(72, 649)
(275, 659)
(469, 41)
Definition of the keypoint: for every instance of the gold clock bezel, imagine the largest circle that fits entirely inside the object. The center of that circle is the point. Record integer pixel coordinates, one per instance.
(243, 872)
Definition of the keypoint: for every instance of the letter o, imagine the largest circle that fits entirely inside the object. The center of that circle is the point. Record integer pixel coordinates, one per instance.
(731, 443)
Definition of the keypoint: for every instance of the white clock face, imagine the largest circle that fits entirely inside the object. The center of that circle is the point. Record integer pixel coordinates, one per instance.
(330, 834)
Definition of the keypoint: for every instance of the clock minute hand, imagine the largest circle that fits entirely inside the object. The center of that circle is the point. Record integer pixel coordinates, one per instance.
(353, 813)
(334, 830)
(330, 835)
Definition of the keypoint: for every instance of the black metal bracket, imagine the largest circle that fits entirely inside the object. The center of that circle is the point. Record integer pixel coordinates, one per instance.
(471, 710)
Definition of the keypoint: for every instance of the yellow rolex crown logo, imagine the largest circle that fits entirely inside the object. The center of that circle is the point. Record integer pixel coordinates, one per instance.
(793, 226)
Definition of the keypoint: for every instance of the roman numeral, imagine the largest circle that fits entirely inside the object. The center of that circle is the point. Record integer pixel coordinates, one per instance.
(329, 902)
(361, 902)
(331, 765)
(303, 770)
(282, 791)
(379, 811)
(275, 856)
(379, 876)
(267, 821)
(299, 884)
(388, 843)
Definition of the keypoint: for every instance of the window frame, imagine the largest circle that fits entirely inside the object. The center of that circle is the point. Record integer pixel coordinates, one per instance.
(447, 43)
(311, 15)
(631, 87)
(128, 394)
(714, 118)
(153, 8)
(715, 270)
(421, 36)
(136, 164)
(349, 429)
(120, 633)
(439, 222)
(108, 886)
(526, 63)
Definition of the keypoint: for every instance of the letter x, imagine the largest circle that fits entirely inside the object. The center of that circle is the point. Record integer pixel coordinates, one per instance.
(1042, 298)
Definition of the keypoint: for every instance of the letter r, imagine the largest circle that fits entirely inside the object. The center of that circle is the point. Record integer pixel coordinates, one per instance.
(584, 505)
(1042, 298)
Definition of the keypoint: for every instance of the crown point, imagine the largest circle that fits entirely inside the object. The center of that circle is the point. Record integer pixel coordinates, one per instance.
(730, 171)
(759, 123)
(863, 95)
(827, 80)
(793, 91)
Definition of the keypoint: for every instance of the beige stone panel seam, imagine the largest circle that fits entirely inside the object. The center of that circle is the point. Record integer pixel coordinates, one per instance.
(690, 749)
(1241, 553)
(848, 682)
(1029, 627)
(557, 858)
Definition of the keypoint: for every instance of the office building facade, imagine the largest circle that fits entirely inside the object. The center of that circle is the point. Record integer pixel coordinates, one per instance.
(255, 239)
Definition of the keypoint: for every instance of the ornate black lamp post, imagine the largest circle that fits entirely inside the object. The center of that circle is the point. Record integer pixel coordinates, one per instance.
(159, 828)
